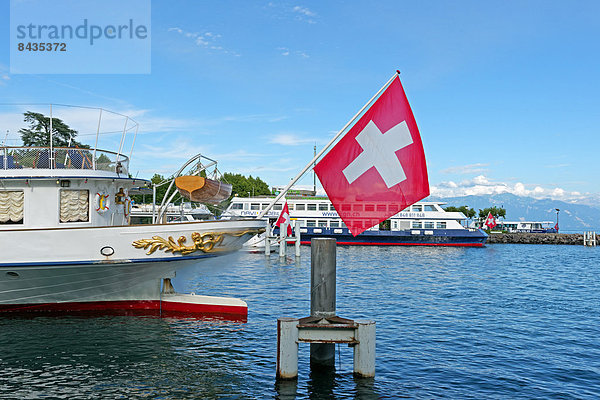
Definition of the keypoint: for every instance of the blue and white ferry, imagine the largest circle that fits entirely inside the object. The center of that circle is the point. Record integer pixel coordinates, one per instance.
(425, 223)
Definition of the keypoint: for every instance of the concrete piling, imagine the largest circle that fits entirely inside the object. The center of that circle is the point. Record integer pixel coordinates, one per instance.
(282, 241)
(268, 239)
(323, 328)
(322, 295)
(297, 233)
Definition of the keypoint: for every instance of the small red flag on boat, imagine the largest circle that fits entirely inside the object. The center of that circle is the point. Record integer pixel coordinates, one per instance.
(284, 218)
(378, 168)
(490, 221)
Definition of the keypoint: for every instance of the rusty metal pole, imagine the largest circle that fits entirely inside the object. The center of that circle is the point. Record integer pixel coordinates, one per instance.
(322, 295)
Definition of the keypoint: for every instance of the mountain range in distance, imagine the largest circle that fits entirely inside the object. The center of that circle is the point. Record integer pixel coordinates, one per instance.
(573, 217)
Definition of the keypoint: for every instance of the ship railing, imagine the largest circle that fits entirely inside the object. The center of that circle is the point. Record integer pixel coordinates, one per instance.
(21, 157)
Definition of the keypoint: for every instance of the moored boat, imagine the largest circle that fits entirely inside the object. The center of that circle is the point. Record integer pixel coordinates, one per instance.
(67, 243)
(422, 224)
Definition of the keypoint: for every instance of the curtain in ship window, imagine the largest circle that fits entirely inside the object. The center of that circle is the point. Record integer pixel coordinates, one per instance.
(74, 205)
(11, 207)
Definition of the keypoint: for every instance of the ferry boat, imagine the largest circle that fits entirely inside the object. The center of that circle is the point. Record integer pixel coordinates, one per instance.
(527, 226)
(67, 243)
(424, 223)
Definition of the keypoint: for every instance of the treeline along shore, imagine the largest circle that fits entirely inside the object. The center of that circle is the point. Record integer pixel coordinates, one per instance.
(536, 238)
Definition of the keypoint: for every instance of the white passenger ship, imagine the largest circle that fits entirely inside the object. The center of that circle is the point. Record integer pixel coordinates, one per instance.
(67, 243)
(423, 223)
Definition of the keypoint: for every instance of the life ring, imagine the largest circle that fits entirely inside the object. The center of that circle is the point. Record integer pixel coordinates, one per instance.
(127, 206)
(102, 202)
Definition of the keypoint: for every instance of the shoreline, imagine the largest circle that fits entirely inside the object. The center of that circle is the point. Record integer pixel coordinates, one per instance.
(536, 238)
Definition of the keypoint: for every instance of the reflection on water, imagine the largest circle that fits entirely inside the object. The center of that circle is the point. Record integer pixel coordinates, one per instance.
(505, 321)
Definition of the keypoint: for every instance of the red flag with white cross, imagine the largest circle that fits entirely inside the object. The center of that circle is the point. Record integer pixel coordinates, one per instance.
(284, 218)
(378, 168)
(490, 221)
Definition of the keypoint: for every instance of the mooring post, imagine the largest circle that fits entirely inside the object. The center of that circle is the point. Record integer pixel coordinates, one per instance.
(282, 241)
(287, 348)
(364, 351)
(322, 294)
(268, 239)
(297, 232)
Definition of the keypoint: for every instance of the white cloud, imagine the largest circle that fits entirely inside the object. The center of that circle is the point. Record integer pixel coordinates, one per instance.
(304, 14)
(481, 185)
(290, 139)
(304, 11)
(466, 169)
(287, 52)
(207, 40)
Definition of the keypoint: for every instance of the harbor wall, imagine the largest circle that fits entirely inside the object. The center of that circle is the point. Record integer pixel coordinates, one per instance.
(536, 238)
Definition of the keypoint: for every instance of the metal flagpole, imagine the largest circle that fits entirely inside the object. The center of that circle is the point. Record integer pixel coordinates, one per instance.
(310, 164)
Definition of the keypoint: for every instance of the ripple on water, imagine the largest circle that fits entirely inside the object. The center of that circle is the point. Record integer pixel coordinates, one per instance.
(505, 321)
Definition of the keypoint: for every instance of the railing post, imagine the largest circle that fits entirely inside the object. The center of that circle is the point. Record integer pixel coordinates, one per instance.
(96, 145)
(5, 162)
(51, 155)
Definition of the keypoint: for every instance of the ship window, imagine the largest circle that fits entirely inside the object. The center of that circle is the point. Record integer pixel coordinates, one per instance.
(263, 206)
(331, 207)
(429, 225)
(11, 207)
(416, 225)
(334, 224)
(277, 206)
(381, 207)
(291, 207)
(429, 207)
(323, 207)
(369, 207)
(346, 207)
(255, 206)
(441, 225)
(311, 207)
(417, 208)
(322, 224)
(394, 224)
(74, 205)
(300, 207)
(237, 206)
(358, 207)
(311, 222)
(394, 208)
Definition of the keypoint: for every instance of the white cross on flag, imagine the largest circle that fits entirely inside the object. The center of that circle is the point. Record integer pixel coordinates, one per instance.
(378, 168)
(284, 218)
(490, 221)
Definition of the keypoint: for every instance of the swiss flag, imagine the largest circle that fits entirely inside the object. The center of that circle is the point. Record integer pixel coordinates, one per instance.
(490, 221)
(378, 168)
(284, 218)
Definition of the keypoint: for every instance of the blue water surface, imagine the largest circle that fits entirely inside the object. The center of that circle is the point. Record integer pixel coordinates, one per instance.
(501, 322)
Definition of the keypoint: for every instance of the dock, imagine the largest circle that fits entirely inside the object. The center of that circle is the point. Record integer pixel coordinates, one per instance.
(536, 238)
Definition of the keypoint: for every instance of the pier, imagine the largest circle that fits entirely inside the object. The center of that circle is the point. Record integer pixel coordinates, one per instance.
(537, 238)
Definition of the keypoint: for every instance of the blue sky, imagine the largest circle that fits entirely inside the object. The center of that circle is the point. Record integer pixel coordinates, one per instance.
(505, 93)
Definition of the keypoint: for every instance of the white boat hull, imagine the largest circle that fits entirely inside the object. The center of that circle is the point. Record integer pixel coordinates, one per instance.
(55, 266)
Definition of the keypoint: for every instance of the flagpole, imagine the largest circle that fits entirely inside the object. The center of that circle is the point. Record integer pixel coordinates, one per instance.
(316, 157)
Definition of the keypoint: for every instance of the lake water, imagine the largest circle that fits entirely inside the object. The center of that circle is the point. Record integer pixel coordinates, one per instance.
(505, 321)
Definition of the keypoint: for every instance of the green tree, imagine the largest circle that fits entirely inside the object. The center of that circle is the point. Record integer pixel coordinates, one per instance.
(38, 132)
(245, 187)
(497, 212)
(468, 212)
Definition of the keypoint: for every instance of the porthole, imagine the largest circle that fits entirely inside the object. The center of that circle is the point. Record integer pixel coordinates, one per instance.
(107, 251)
